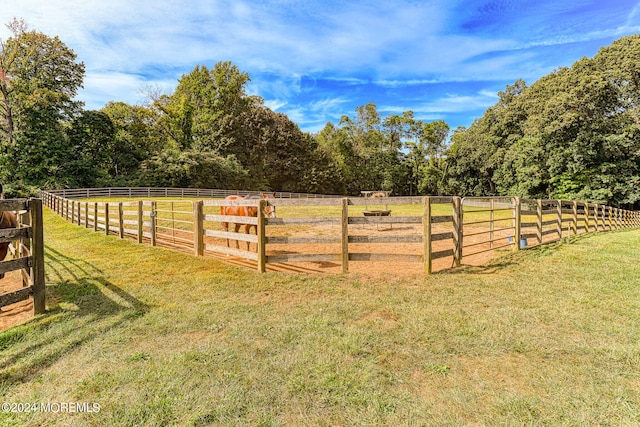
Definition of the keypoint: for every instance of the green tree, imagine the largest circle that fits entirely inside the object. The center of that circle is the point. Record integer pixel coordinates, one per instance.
(137, 138)
(172, 168)
(40, 78)
(90, 136)
(204, 112)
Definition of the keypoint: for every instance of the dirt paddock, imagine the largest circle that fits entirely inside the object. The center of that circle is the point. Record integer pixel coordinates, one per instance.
(20, 312)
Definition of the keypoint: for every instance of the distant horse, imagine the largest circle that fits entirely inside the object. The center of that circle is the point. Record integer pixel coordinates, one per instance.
(7, 220)
(269, 211)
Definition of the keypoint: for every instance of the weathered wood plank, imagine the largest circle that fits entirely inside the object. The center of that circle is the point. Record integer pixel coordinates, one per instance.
(252, 238)
(528, 224)
(344, 235)
(441, 236)
(11, 234)
(261, 244)
(441, 218)
(304, 258)
(232, 251)
(304, 221)
(13, 204)
(336, 201)
(384, 257)
(442, 254)
(385, 220)
(427, 236)
(390, 201)
(15, 296)
(251, 220)
(14, 264)
(290, 240)
(239, 202)
(411, 238)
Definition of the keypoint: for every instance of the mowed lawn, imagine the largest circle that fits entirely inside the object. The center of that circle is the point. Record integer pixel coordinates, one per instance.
(548, 336)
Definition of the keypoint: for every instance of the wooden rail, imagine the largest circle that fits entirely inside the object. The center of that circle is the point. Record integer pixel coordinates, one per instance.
(462, 228)
(27, 248)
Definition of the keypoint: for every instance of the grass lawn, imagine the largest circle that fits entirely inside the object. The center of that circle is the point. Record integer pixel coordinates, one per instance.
(548, 336)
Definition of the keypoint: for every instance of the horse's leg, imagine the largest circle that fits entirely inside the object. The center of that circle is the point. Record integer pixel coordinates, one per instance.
(247, 230)
(236, 229)
(225, 228)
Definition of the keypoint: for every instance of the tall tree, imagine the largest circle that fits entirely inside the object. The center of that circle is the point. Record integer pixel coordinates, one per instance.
(573, 134)
(137, 138)
(204, 112)
(40, 78)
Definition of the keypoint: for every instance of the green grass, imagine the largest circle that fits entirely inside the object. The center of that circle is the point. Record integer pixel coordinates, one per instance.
(547, 336)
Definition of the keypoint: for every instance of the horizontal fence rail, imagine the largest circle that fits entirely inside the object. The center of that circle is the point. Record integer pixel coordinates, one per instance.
(149, 192)
(337, 230)
(26, 246)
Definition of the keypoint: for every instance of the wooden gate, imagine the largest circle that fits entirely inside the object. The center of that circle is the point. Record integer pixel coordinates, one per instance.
(27, 248)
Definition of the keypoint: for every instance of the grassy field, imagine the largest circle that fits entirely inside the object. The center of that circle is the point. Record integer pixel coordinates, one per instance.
(547, 336)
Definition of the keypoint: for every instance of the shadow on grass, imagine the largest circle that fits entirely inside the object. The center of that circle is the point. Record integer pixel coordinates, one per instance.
(82, 306)
(510, 258)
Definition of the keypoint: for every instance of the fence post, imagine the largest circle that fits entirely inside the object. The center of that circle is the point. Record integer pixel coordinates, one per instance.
(106, 218)
(426, 235)
(153, 223)
(140, 221)
(587, 225)
(517, 223)
(120, 221)
(559, 222)
(86, 215)
(575, 217)
(457, 231)
(261, 246)
(95, 216)
(491, 221)
(539, 220)
(613, 220)
(198, 232)
(345, 235)
(37, 252)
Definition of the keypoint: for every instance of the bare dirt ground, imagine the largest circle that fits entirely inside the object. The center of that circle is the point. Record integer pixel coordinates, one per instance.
(368, 269)
(19, 312)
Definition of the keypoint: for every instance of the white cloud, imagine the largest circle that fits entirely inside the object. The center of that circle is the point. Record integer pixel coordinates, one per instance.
(285, 44)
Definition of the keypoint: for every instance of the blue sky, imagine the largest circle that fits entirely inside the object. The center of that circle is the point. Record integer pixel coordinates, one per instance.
(318, 60)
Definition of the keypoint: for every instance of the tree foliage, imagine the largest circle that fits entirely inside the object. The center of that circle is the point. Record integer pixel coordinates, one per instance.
(573, 134)
(40, 78)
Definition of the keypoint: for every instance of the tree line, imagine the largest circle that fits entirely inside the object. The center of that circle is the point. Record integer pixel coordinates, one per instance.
(572, 134)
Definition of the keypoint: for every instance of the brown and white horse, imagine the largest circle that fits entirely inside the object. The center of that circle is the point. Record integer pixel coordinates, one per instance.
(7, 220)
(269, 211)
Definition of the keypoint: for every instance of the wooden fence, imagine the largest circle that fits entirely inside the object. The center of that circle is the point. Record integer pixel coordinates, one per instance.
(343, 230)
(149, 192)
(27, 248)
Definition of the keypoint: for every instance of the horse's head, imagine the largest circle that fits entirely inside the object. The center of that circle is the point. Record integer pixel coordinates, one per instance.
(269, 211)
